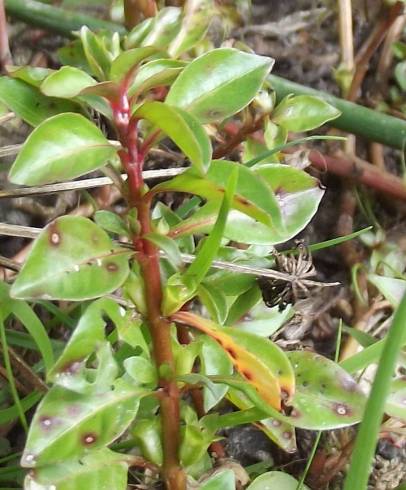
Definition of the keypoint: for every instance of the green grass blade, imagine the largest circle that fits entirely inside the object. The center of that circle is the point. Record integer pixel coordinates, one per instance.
(279, 148)
(10, 377)
(365, 443)
(330, 243)
(36, 329)
(11, 413)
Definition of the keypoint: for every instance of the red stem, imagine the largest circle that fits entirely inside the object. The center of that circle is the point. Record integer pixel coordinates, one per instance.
(148, 258)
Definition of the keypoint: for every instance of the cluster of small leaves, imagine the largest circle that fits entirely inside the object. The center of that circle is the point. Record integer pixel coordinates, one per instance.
(104, 383)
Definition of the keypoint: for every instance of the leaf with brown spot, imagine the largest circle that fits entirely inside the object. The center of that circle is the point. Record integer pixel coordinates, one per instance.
(258, 360)
(99, 419)
(67, 263)
(275, 429)
(326, 396)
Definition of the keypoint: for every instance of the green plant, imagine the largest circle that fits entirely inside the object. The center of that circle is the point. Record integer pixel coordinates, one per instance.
(122, 380)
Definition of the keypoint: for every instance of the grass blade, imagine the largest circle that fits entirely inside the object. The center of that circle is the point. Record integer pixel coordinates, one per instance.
(368, 433)
(10, 376)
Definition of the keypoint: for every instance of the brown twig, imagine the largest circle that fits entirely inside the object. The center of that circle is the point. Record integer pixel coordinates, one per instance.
(238, 138)
(5, 54)
(361, 172)
(136, 10)
(371, 45)
(33, 380)
(386, 57)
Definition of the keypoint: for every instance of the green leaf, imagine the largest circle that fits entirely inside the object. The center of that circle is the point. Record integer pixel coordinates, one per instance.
(156, 73)
(67, 82)
(34, 75)
(28, 318)
(208, 251)
(258, 360)
(161, 211)
(264, 321)
(72, 54)
(291, 200)
(147, 434)
(128, 60)
(395, 403)
(215, 302)
(138, 33)
(67, 424)
(28, 103)
(88, 334)
(243, 303)
(97, 470)
(298, 194)
(96, 53)
(182, 128)
(181, 288)
(275, 480)
(214, 361)
(10, 377)
(163, 29)
(224, 480)
(252, 198)
(197, 15)
(168, 245)
(110, 222)
(392, 288)
(141, 370)
(303, 113)
(251, 187)
(400, 74)
(281, 433)
(219, 83)
(72, 259)
(61, 148)
(326, 396)
(364, 339)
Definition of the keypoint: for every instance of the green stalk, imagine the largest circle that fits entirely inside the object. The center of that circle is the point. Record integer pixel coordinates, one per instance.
(56, 19)
(355, 118)
(365, 443)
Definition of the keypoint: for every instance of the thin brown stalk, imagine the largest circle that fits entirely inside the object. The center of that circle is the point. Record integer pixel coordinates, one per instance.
(5, 54)
(371, 45)
(136, 10)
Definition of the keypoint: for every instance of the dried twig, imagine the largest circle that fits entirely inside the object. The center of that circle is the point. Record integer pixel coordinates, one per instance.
(361, 171)
(371, 45)
(31, 232)
(5, 54)
(83, 184)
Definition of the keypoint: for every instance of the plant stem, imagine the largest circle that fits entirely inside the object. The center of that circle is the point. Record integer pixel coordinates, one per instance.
(362, 172)
(148, 259)
(56, 19)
